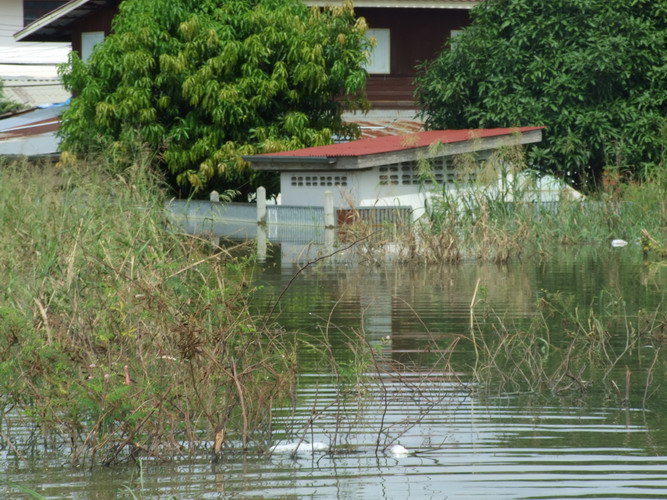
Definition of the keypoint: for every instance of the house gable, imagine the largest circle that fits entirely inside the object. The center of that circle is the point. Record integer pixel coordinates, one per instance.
(34, 9)
(69, 21)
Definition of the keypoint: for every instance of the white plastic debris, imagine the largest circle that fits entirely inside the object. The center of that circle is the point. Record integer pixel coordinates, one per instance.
(396, 450)
(299, 447)
(618, 243)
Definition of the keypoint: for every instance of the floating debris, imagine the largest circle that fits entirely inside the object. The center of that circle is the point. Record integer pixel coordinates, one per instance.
(299, 447)
(397, 450)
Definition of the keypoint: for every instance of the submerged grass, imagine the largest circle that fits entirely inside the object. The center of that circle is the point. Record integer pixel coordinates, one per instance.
(120, 337)
(568, 352)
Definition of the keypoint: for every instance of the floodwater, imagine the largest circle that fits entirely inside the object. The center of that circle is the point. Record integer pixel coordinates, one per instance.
(461, 441)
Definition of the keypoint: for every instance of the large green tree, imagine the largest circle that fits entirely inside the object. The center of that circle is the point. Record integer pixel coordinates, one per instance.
(202, 82)
(594, 72)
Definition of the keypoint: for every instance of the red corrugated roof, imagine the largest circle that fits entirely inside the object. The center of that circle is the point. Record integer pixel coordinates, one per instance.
(392, 143)
(34, 128)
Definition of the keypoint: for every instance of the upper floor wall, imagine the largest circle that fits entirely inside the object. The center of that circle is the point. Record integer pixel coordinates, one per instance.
(21, 62)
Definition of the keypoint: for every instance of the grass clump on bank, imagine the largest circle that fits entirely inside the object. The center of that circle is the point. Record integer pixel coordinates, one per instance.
(119, 337)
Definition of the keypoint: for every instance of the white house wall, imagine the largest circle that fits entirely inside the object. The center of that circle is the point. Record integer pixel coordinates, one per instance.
(349, 188)
(402, 184)
(11, 13)
(361, 187)
(306, 189)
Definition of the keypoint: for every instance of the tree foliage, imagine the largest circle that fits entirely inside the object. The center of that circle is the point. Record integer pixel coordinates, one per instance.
(202, 82)
(594, 72)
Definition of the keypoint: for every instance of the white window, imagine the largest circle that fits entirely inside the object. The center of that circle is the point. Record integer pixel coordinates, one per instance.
(88, 41)
(378, 61)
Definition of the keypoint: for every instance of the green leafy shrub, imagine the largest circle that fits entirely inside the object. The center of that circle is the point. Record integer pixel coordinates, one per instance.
(5, 104)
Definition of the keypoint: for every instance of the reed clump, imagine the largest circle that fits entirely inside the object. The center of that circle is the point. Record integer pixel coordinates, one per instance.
(118, 336)
(565, 351)
(497, 209)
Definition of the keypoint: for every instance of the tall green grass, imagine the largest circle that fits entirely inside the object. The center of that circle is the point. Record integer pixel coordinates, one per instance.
(118, 336)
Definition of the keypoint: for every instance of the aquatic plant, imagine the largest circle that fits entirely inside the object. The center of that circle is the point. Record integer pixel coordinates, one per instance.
(565, 351)
(120, 338)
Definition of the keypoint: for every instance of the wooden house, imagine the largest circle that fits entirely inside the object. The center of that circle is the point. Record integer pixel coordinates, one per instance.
(407, 32)
(84, 23)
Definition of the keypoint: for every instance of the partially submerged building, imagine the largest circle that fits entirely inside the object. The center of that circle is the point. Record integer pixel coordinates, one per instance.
(387, 171)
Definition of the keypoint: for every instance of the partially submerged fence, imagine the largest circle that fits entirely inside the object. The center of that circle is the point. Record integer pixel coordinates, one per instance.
(281, 222)
(375, 216)
(295, 216)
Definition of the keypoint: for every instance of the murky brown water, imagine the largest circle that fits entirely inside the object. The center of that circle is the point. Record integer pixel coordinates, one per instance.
(461, 444)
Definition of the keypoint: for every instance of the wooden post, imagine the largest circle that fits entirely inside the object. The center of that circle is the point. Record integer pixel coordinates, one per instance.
(329, 222)
(261, 205)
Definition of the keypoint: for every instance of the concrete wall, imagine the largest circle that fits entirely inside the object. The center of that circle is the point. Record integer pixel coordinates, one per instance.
(395, 184)
(306, 189)
(350, 189)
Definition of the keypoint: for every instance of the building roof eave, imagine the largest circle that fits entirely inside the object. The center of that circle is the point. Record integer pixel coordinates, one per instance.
(296, 163)
(364, 160)
(50, 26)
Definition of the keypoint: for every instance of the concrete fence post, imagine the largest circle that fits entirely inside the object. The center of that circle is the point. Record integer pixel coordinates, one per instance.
(215, 197)
(261, 205)
(329, 240)
(329, 221)
(262, 239)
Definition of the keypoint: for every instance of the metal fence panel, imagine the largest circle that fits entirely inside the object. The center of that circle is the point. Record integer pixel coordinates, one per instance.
(295, 216)
(284, 215)
(376, 216)
(240, 212)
